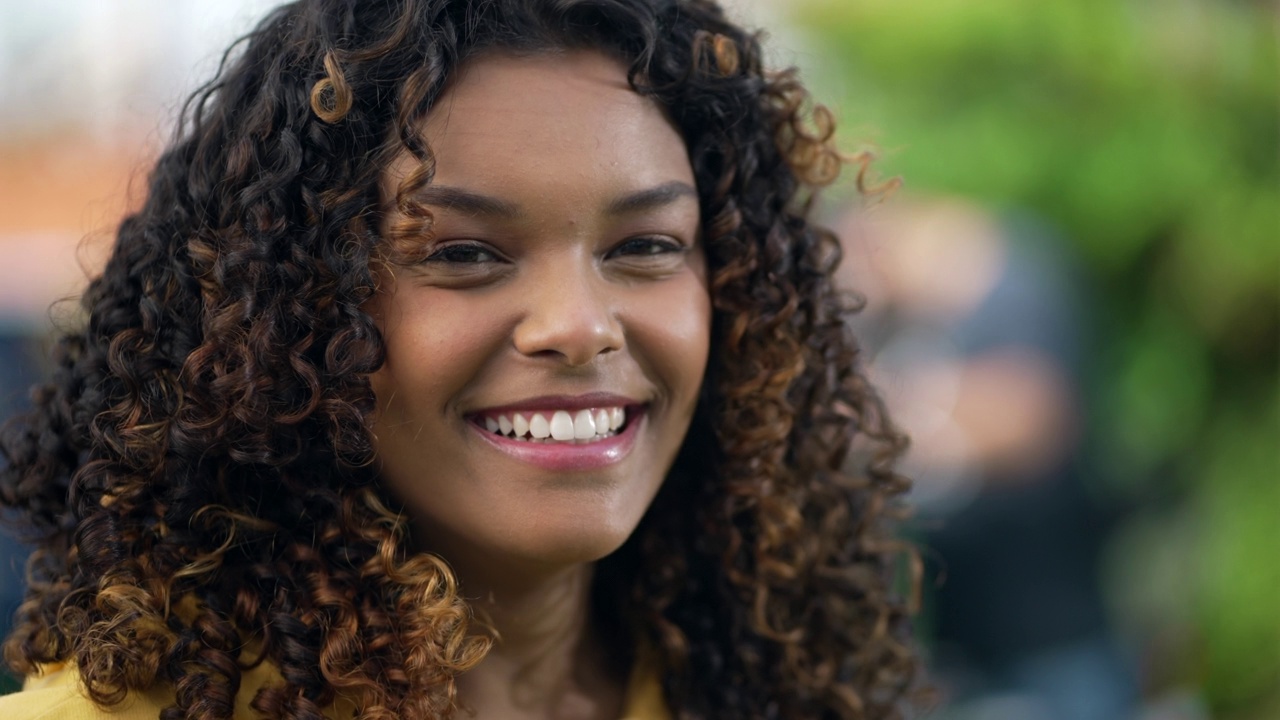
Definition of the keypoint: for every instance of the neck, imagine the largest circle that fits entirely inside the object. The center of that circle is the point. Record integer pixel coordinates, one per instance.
(548, 660)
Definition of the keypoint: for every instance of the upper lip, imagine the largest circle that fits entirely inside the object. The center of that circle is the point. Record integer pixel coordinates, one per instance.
(561, 402)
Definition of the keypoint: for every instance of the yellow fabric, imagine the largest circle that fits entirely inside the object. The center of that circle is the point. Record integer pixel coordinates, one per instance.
(56, 695)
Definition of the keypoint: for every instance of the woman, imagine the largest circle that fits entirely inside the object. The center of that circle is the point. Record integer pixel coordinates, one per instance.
(468, 357)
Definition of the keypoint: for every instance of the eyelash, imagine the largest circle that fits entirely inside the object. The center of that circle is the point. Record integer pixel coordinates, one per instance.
(649, 246)
(663, 246)
(472, 249)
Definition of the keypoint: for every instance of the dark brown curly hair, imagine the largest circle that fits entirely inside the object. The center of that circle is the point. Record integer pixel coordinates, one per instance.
(206, 435)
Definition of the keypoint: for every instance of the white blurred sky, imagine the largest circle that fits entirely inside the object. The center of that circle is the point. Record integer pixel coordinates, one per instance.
(110, 64)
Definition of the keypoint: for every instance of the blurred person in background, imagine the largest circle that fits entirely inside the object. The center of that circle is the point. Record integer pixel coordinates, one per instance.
(974, 330)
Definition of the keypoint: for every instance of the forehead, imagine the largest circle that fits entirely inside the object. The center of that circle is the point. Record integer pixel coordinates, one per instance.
(554, 113)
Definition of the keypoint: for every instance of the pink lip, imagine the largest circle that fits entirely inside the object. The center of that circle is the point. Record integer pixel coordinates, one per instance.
(560, 402)
(568, 457)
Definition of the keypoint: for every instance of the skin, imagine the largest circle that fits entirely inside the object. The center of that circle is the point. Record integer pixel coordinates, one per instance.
(539, 283)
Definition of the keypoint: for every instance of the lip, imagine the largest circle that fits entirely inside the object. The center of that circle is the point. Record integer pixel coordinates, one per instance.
(569, 457)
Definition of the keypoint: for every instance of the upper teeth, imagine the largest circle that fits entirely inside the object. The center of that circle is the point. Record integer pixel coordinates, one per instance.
(558, 425)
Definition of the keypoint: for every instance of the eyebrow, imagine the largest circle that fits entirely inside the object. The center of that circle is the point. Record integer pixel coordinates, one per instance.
(474, 203)
(653, 198)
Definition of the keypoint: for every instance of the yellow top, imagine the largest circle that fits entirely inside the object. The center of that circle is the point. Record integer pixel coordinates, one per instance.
(56, 695)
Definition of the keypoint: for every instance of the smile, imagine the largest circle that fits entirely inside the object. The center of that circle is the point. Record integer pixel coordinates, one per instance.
(564, 434)
(558, 426)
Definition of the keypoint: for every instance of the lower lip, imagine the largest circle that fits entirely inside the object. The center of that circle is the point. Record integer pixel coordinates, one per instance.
(569, 457)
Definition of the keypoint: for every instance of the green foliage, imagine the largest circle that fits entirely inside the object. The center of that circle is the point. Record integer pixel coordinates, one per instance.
(1157, 399)
(1148, 132)
(1237, 575)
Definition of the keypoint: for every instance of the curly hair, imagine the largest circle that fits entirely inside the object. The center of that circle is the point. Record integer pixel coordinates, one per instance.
(205, 438)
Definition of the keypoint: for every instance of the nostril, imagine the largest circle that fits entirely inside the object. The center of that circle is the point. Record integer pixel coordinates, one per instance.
(570, 320)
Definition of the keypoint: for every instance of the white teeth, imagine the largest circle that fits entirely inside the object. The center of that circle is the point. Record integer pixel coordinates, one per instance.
(584, 426)
(587, 425)
(561, 426)
(539, 427)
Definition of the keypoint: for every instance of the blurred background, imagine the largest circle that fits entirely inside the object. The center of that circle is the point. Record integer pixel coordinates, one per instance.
(1073, 305)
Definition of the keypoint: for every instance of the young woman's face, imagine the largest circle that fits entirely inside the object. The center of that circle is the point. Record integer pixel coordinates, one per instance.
(565, 292)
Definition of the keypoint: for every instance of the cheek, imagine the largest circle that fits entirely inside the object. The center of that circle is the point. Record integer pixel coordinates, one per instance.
(435, 343)
(673, 331)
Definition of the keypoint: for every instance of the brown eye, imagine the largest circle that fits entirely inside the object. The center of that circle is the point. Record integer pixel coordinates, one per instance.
(646, 246)
(463, 254)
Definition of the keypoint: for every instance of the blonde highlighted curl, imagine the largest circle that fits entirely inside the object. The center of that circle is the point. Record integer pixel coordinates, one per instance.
(204, 443)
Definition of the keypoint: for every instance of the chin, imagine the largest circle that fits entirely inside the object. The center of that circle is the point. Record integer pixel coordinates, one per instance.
(576, 543)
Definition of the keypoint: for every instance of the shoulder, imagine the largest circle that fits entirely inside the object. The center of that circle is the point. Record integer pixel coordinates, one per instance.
(56, 695)
(58, 704)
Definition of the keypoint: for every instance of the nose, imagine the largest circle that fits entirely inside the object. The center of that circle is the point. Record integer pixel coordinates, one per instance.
(569, 316)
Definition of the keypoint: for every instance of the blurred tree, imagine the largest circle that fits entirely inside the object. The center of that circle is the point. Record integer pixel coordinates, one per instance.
(1147, 131)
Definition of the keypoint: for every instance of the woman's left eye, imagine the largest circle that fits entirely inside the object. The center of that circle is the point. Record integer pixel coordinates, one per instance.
(646, 246)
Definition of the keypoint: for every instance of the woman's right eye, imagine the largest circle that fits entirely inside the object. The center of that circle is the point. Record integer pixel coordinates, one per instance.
(462, 254)
(463, 264)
